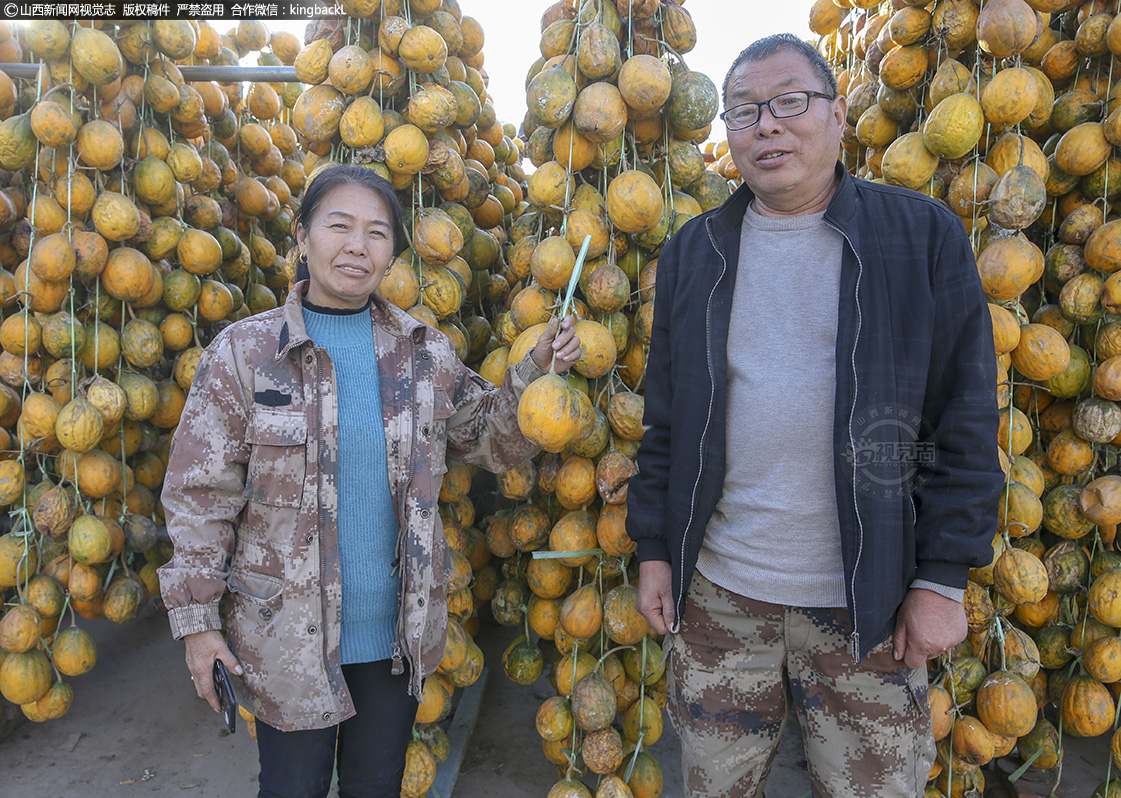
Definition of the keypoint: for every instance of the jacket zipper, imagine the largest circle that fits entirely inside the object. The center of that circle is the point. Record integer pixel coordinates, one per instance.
(854, 639)
(319, 488)
(708, 418)
(398, 661)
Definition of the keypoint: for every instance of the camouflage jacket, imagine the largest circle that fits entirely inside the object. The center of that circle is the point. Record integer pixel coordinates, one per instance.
(251, 499)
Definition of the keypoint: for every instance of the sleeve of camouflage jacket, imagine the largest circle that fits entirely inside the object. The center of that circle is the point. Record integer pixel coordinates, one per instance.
(484, 428)
(203, 495)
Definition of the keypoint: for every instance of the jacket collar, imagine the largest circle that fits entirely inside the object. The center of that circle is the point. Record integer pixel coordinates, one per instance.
(384, 314)
(728, 217)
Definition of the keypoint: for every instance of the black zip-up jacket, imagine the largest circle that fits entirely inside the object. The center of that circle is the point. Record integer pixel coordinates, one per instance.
(914, 336)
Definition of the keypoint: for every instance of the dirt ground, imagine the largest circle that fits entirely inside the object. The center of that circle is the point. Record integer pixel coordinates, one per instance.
(137, 728)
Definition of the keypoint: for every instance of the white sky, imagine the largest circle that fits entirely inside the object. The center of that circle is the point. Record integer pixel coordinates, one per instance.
(512, 27)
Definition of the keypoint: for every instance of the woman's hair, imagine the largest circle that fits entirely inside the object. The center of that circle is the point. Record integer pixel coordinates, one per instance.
(324, 179)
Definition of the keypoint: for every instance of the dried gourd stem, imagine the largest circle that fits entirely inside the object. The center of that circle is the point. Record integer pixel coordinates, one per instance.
(72, 326)
(603, 390)
(612, 651)
(67, 605)
(1008, 451)
(22, 513)
(630, 36)
(1086, 614)
(170, 131)
(575, 654)
(921, 103)
(141, 117)
(1059, 747)
(667, 186)
(23, 528)
(1109, 158)
(622, 384)
(96, 344)
(642, 699)
(954, 720)
(121, 434)
(1092, 354)
(848, 16)
(109, 576)
(568, 168)
(603, 184)
(974, 232)
(624, 162)
(70, 298)
(570, 178)
(540, 226)
(1000, 639)
(603, 639)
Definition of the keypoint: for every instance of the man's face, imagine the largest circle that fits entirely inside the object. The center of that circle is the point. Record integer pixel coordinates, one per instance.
(785, 162)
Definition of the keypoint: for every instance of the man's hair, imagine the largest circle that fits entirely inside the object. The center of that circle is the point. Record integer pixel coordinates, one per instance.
(325, 178)
(782, 43)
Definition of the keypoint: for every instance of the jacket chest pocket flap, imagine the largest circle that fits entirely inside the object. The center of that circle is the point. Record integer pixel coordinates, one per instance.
(278, 457)
(257, 597)
(442, 406)
(442, 410)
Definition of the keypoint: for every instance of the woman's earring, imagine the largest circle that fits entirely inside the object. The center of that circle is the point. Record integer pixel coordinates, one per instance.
(303, 259)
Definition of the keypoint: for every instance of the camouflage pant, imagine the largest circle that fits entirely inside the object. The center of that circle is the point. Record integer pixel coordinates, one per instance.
(736, 663)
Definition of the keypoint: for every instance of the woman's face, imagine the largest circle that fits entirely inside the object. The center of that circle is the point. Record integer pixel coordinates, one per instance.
(348, 245)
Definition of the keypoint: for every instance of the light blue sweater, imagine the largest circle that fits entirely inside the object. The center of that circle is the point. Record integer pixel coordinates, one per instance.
(368, 526)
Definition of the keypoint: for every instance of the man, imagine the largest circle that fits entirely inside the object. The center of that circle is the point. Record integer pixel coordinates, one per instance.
(819, 469)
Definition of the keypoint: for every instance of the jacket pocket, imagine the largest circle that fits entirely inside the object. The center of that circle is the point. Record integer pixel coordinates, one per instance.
(278, 457)
(442, 409)
(257, 598)
(442, 406)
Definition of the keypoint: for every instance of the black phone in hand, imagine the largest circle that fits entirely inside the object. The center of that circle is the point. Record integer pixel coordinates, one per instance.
(225, 693)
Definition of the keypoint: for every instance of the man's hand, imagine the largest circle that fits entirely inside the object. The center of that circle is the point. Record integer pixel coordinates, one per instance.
(655, 594)
(202, 649)
(927, 625)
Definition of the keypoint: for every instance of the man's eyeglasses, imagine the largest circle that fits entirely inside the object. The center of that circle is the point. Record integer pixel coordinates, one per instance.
(782, 106)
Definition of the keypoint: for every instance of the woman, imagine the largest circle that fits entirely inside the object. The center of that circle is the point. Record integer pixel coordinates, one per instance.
(302, 486)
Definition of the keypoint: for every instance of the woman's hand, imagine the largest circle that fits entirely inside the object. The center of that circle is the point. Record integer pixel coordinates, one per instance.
(202, 649)
(564, 346)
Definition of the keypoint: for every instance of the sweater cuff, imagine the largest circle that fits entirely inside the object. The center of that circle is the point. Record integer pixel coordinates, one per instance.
(952, 593)
(194, 618)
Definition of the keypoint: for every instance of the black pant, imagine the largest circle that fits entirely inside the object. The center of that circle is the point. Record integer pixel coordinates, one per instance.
(370, 747)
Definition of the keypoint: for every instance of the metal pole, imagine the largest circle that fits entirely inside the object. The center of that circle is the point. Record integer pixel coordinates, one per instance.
(224, 74)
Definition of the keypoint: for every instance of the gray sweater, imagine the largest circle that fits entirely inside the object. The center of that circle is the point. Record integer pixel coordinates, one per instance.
(775, 534)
